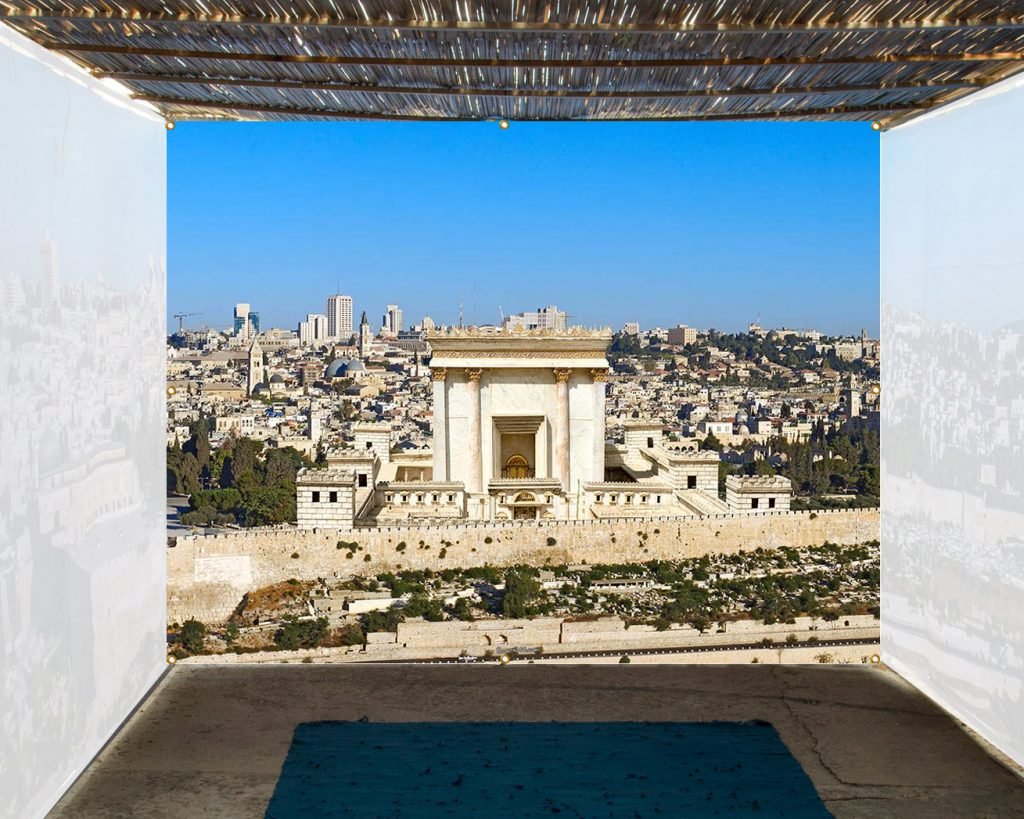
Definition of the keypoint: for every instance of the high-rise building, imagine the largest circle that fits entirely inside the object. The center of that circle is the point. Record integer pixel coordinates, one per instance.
(631, 328)
(392, 322)
(543, 318)
(242, 320)
(12, 295)
(313, 330)
(247, 323)
(49, 290)
(339, 317)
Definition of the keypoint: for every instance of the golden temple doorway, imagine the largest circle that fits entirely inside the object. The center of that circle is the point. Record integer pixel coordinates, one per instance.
(517, 468)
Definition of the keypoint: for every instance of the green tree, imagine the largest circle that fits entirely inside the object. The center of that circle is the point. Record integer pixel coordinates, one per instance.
(204, 516)
(199, 443)
(868, 481)
(422, 606)
(711, 443)
(227, 471)
(281, 466)
(221, 500)
(295, 633)
(174, 459)
(245, 463)
(382, 620)
(351, 635)
(192, 636)
(724, 471)
(699, 622)
(266, 507)
(521, 591)
(689, 606)
(463, 610)
(189, 474)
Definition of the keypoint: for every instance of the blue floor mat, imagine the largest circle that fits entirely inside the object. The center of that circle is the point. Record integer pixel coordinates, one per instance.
(551, 769)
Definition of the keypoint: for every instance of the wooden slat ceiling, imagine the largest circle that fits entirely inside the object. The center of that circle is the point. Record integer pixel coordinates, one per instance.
(536, 59)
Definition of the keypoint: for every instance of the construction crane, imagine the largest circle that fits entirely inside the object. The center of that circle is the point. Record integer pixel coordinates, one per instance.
(181, 319)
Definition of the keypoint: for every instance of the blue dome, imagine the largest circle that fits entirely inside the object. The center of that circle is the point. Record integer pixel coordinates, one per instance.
(341, 367)
(337, 368)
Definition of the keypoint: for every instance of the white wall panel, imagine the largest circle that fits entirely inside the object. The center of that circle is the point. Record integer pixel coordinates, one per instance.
(82, 566)
(952, 266)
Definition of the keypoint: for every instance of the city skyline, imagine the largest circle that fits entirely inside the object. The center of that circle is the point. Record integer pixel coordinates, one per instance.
(745, 222)
(309, 333)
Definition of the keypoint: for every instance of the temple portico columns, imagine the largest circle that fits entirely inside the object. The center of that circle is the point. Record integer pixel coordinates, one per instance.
(599, 376)
(475, 482)
(442, 464)
(561, 425)
(502, 397)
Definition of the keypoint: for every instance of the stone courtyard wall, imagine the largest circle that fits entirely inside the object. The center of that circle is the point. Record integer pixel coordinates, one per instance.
(207, 576)
(418, 640)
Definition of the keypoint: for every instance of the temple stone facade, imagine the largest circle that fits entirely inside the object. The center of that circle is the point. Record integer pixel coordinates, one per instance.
(762, 493)
(519, 418)
(328, 500)
(519, 434)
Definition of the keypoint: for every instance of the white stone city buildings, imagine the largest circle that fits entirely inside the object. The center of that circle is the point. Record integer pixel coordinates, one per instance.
(392, 322)
(682, 335)
(246, 322)
(519, 434)
(543, 318)
(339, 317)
(314, 330)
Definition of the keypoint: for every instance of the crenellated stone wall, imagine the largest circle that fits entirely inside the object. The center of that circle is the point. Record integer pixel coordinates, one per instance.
(207, 576)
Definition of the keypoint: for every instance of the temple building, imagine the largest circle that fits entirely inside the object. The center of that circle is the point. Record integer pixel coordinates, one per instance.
(519, 434)
(519, 418)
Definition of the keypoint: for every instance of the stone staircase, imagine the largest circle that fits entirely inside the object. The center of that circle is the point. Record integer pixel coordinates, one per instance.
(701, 503)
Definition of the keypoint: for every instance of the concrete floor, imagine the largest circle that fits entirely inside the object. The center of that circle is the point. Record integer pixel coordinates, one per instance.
(211, 740)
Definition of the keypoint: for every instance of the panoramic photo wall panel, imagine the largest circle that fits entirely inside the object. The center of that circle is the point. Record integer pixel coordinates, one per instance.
(952, 267)
(82, 328)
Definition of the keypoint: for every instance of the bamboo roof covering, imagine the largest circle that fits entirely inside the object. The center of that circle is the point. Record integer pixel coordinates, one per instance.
(882, 60)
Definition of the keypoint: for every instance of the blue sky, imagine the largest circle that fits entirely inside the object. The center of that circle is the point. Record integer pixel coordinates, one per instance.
(705, 224)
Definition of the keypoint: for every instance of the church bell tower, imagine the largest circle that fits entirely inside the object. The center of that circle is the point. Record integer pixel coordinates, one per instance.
(255, 366)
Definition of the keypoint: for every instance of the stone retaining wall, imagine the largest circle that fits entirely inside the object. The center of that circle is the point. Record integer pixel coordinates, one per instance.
(207, 576)
(555, 633)
(419, 640)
